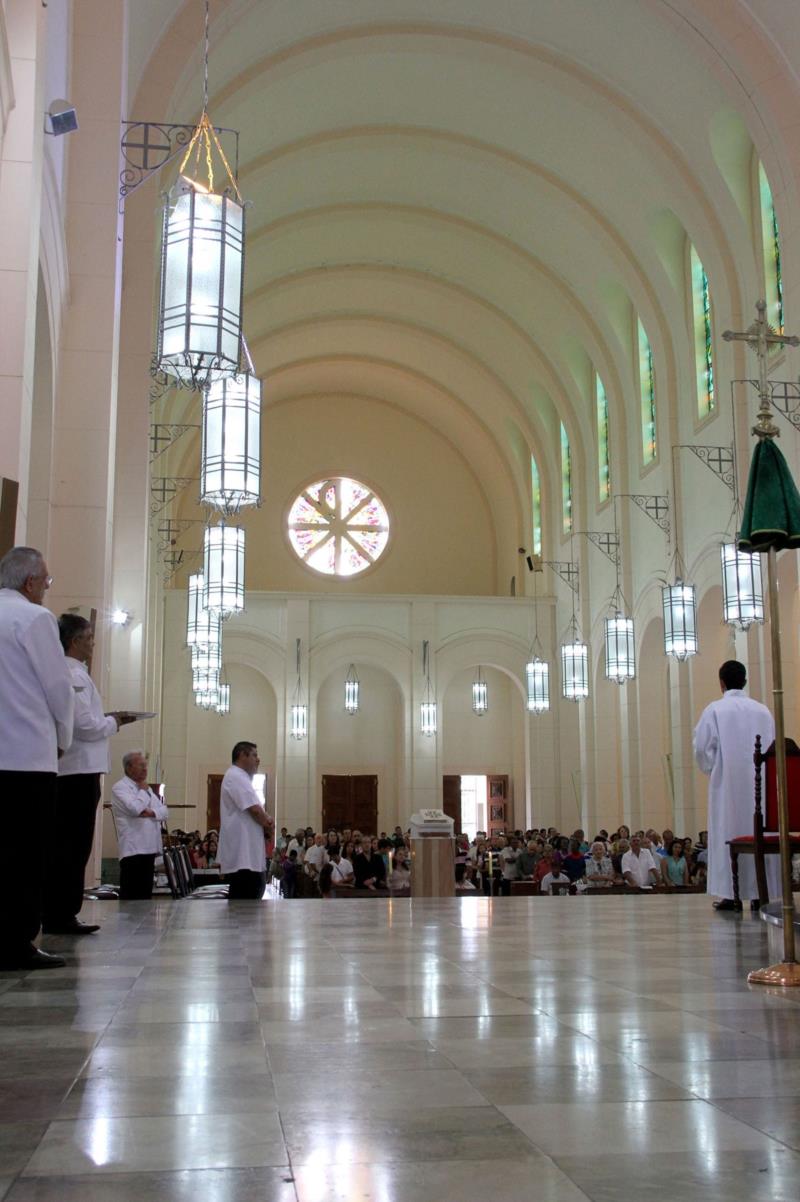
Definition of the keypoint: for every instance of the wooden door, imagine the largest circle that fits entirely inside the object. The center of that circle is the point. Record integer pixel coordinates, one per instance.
(350, 802)
(498, 804)
(451, 800)
(213, 786)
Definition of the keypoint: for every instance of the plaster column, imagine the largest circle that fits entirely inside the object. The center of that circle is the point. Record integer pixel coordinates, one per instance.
(20, 206)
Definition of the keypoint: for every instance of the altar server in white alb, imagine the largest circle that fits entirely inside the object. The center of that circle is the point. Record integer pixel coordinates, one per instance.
(138, 814)
(244, 824)
(724, 742)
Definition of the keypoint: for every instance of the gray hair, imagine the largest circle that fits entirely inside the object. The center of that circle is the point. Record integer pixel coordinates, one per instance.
(130, 756)
(18, 564)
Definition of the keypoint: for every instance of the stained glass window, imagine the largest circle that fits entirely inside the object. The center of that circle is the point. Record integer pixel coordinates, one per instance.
(536, 507)
(603, 461)
(338, 526)
(773, 279)
(647, 385)
(701, 321)
(566, 481)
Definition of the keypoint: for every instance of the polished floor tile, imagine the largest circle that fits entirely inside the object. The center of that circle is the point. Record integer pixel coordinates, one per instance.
(125, 1145)
(441, 1049)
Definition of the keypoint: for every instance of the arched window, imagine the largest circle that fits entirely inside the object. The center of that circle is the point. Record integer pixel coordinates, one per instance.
(701, 323)
(566, 481)
(603, 460)
(771, 243)
(647, 388)
(536, 507)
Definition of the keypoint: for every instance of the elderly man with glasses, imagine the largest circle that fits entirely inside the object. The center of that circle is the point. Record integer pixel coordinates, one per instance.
(36, 716)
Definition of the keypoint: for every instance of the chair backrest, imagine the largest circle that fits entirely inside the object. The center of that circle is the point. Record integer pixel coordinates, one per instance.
(792, 787)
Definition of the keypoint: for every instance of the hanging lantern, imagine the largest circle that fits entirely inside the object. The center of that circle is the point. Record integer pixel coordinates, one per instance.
(742, 592)
(427, 718)
(480, 695)
(202, 271)
(575, 671)
(230, 464)
(427, 709)
(223, 705)
(201, 626)
(620, 649)
(352, 686)
(680, 619)
(537, 674)
(299, 721)
(223, 570)
(207, 657)
(205, 685)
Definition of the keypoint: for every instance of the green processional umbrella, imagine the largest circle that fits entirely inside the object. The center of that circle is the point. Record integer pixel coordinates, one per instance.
(771, 523)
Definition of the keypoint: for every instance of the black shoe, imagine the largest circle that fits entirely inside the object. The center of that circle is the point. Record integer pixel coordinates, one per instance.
(728, 904)
(75, 927)
(35, 958)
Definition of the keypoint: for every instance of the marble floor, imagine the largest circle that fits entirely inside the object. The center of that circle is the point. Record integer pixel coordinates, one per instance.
(370, 1051)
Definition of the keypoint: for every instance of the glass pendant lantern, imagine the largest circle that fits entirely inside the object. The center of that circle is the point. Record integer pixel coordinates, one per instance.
(575, 669)
(742, 590)
(537, 675)
(298, 714)
(352, 687)
(230, 462)
(223, 570)
(480, 695)
(620, 649)
(223, 705)
(680, 619)
(427, 709)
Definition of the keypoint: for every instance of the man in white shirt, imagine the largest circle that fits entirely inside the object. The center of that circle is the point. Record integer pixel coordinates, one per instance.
(244, 824)
(342, 870)
(724, 742)
(638, 865)
(138, 814)
(78, 787)
(315, 857)
(36, 711)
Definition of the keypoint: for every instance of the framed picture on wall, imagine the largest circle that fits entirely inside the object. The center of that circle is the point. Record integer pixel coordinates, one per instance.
(497, 813)
(496, 789)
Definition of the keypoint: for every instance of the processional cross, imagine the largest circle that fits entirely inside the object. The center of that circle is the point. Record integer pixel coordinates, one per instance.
(760, 336)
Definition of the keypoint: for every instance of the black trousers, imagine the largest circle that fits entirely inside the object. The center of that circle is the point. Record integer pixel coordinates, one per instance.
(136, 877)
(70, 847)
(246, 885)
(27, 800)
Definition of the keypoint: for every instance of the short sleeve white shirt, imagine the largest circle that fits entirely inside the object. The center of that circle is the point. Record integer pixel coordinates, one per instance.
(341, 871)
(315, 857)
(639, 866)
(241, 839)
(551, 878)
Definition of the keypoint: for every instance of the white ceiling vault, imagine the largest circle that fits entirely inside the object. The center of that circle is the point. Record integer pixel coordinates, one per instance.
(458, 206)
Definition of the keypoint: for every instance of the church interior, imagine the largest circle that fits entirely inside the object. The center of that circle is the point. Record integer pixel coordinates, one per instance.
(497, 464)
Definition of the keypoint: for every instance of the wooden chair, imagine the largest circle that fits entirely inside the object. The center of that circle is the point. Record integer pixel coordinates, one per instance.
(764, 840)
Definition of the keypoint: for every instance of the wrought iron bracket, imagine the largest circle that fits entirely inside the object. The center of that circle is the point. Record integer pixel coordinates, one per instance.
(654, 505)
(164, 489)
(174, 559)
(169, 530)
(566, 570)
(164, 434)
(784, 396)
(606, 541)
(147, 146)
(718, 460)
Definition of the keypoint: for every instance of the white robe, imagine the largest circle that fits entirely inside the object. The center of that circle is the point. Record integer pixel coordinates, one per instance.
(724, 741)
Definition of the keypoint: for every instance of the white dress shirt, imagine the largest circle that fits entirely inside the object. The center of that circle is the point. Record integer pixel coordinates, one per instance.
(315, 857)
(36, 695)
(137, 836)
(89, 752)
(342, 871)
(639, 866)
(241, 839)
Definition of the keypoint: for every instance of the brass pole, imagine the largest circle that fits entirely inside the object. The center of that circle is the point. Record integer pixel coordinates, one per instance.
(788, 972)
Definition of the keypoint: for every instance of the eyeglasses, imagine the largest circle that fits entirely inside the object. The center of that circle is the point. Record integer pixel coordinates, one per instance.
(47, 580)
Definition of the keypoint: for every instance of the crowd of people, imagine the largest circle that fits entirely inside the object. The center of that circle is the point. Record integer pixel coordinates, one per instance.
(309, 864)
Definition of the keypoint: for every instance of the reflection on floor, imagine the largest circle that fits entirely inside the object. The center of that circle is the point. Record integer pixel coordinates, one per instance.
(526, 1048)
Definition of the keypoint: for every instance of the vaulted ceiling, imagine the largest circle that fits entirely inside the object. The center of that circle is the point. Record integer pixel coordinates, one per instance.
(459, 207)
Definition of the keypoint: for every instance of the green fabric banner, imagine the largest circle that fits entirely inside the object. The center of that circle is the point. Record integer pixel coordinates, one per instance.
(772, 507)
